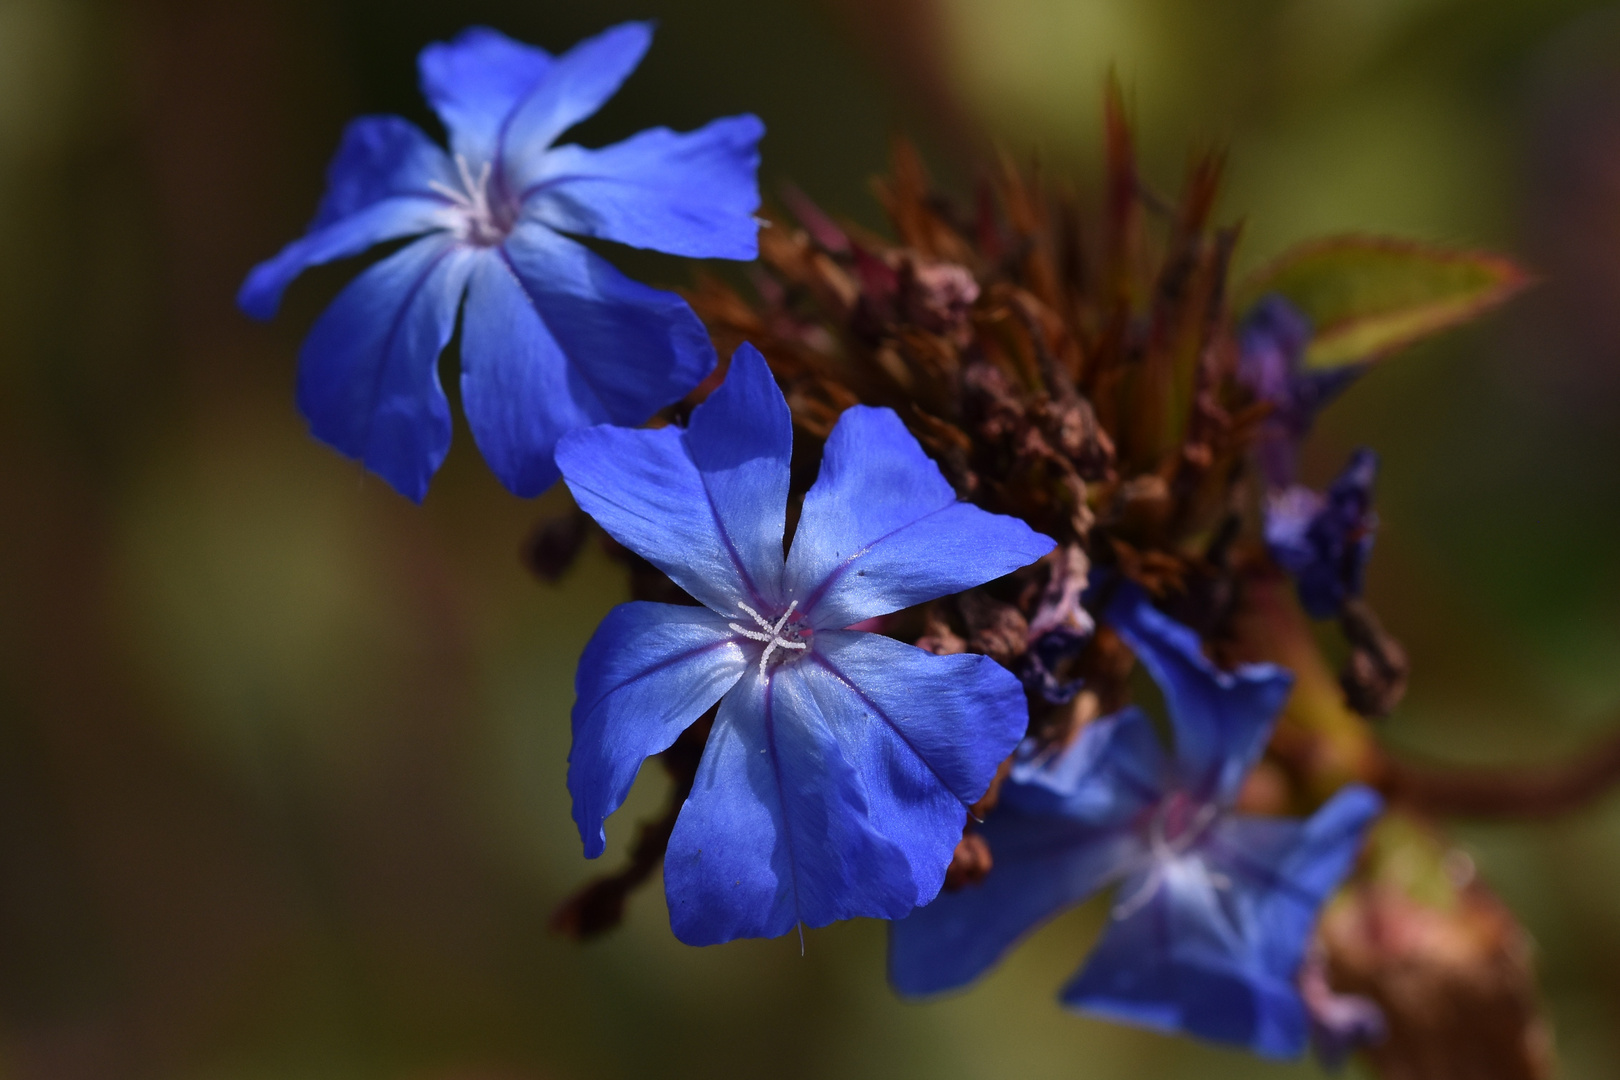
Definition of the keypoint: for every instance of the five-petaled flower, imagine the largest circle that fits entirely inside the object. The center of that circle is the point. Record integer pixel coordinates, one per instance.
(553, 337)
(836, 777)
(1325, 541)
(1214, 909)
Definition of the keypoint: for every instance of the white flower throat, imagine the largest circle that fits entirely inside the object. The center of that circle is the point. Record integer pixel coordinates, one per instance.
(481, 221)
(1174, 831)
(771, 634)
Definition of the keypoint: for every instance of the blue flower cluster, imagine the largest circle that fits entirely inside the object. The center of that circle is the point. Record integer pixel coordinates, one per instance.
(839, 770)
(836, 778)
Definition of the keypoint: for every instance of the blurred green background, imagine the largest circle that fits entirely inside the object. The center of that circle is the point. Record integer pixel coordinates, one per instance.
(282, 756)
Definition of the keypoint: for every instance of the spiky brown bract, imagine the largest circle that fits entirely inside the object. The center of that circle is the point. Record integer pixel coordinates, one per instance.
(1075, 371)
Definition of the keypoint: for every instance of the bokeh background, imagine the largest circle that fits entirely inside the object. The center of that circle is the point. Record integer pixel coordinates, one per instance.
(282, 755)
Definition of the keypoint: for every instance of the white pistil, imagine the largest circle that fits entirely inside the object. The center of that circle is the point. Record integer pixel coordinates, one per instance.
(770, 634)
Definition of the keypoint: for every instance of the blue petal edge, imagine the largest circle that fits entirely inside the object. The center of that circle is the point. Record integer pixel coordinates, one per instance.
(882, 530)
(649, 671)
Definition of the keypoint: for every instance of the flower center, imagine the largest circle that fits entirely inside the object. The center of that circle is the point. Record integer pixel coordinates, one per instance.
(1177, 825)
(777, 635)
(483, 222)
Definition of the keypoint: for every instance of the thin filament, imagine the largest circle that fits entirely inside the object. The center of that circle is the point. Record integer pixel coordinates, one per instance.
(770, 634)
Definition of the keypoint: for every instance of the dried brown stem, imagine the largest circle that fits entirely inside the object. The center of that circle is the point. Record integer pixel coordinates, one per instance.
(1531, 792)
(554, 543)
(1374, 677)
(599, 906)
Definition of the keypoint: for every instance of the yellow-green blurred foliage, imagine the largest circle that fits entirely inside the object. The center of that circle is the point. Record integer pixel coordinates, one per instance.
(282, 756)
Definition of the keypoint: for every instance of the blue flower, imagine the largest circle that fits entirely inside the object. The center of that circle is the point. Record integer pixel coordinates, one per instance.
(1271, 363)
(1325, 542)
(1213, 909)
(836, 776)
(553, 337)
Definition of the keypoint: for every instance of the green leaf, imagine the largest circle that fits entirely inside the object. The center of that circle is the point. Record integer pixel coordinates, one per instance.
(1367, 296)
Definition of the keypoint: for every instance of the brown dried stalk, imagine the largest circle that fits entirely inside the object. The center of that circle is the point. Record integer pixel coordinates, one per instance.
(1537, 791)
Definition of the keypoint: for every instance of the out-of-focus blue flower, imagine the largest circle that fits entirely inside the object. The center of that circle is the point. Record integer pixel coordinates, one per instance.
(1272, 342)
(1213, 909)
(1325, 542)
(553, 337)
(836, 777)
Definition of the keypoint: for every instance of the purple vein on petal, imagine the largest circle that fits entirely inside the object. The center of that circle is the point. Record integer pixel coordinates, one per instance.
(781, 796)
(534, 302)
(668, 661)
(725, 538)
(838, 571)
(498, 158)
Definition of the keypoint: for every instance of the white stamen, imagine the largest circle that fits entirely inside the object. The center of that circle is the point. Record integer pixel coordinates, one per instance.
(764, 623)
(771, 635)
(1144, 892)
(457, 197)
(1166, 850)
(473, 201)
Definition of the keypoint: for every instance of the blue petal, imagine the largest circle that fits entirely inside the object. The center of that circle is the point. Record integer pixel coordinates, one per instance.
(741, 440)
(690, 194)
(368, 380)
(1285, 869)
(1222, 720)
(635, 349)
(519, 390)
(474, 83)
(1174, 965)
(556, 339)
(707, 506)
(649, 671)
(777, 830)
(925, 733)
(882, 530)
(1064, 825)
(1341, 536)
(1288, 517)
(377, 188)
(1113, 771)
(1272, 341)
(1271, 349)
(1042, 865)
(577, 84)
